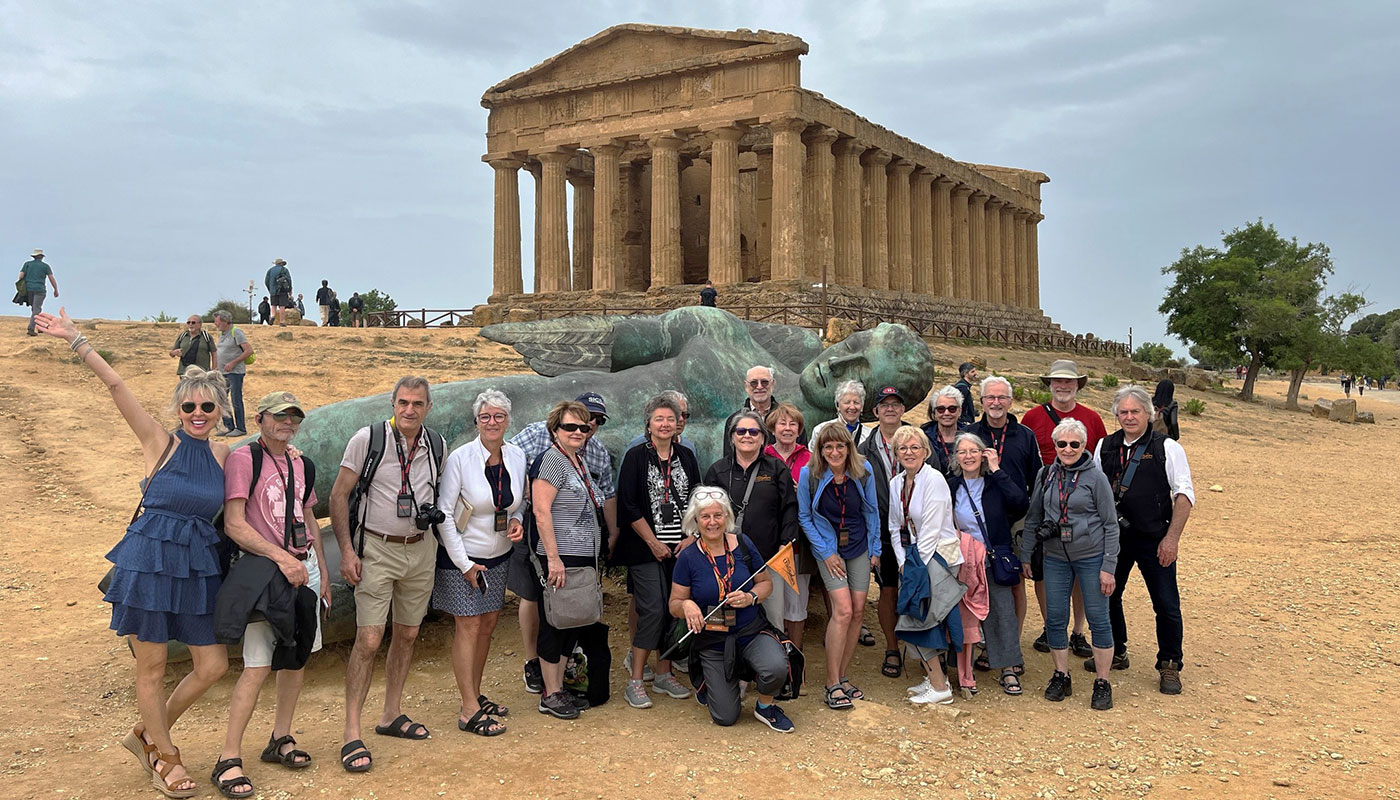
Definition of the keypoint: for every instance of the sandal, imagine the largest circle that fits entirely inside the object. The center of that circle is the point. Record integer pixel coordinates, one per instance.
(841, 703)
(968, 691)
(894, 664)
(851, 690)
(866, 638)
(160, 774)
(352, 752)
(292, 759)
(229, 788)
(403, 728)
(135, 741)
(980, 663)
(1019, 670)
(1010, 683)
(482, 725)
(494, 709)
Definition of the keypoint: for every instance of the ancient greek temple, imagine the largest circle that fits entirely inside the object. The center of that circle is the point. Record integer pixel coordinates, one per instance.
(697, 154)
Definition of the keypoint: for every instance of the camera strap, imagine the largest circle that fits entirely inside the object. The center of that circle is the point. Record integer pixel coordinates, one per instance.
(748, 491)
(289, 486)
(1125, 480)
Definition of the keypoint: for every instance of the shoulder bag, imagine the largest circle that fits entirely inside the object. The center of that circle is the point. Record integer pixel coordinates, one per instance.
(106, 582)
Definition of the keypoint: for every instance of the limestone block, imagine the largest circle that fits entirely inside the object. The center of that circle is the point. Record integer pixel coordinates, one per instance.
(1343, 410)
(522, 315)
(1198, 379)
(285, 336)
(1142, 373)
(484, 315)
(414, 323)
(291, 316)
(1322, 407)
(306, 323)
(838, 329)
(1176, 375)
(1366, 416)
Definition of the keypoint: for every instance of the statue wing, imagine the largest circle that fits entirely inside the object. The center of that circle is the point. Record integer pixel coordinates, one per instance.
(792, 346)
(554, 346)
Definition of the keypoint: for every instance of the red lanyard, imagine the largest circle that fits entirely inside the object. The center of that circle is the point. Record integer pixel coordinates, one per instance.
(840, 501)
(582, 474)
(1066, 489)
(997, 441)
(500, 484)
(722, 581)
(907, 495)
(889, 459)
(946, 450)
(405, 467)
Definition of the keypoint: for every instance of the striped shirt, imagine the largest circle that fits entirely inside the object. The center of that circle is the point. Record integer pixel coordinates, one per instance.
(574, 516)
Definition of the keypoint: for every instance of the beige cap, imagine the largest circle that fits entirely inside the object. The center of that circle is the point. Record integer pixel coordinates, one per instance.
(277, 402)
(1064, 368)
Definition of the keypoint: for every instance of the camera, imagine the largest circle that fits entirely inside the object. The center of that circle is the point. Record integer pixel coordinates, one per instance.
(428, 516)
(1123, 523)
(1046, 531)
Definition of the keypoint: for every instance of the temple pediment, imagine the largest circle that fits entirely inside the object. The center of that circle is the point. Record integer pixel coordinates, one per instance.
(632, 51)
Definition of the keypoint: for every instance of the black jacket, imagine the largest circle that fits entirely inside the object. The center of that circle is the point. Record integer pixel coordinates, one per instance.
(1020, 453)
(255, 584)
(939, 460)
(1004, 503)
(634, 499)
(771, 517)
(969, 411)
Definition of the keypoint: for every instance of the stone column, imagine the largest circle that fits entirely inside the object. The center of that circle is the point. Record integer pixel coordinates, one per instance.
(789, 159)
(977, 244)
(534, 168)
(1008, 256)
(665, 210)
(921, 230)
(583, 231)
(962, 241)
(817, 201)
(607, 236)
(846, 212)
(992, 280)
(1021, 296)
(554, 222)
(506, 277)
(875, 221)
(901, 244)
(725, 267)
(943, 262)
(1033, 261)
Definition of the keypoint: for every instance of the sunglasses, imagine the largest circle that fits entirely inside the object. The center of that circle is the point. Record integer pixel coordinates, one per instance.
(1070, 445)
(192, 322)
(599, 422)
(685, 415)
(759, 383)
(946, 409)
(207, 407)
(748, 432)
(575, 427)
(283, 416)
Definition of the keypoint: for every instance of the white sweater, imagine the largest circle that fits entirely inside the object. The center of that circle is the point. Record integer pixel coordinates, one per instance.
(930, 517)
(464, 476)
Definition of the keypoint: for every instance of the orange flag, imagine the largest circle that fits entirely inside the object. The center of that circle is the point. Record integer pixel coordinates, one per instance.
(785, 565)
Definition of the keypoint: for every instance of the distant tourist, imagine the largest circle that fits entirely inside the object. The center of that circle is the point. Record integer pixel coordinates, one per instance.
(1164, 411)
(1346, 384)
(878, 449)
(301, 307)
(357, 310)
(323, 299)
(231, 352)
(945, 415)
(333, 317)
(708, 295)
(264, 312)
(967, 375)
(33, 274)
(850, 400)
(194, 346)
(279, 284)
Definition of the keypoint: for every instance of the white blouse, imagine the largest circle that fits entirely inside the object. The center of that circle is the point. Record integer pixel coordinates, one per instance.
(930, 517)
(464, 476)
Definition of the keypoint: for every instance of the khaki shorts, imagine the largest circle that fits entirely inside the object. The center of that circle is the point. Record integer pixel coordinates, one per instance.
(398, 576)
(259, 640)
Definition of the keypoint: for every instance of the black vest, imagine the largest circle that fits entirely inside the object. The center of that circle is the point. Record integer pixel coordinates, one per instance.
(1147, 505)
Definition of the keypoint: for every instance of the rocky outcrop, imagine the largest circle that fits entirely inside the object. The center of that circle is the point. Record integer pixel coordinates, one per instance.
(1366, 416)
(1322, 407)
(1343, 410)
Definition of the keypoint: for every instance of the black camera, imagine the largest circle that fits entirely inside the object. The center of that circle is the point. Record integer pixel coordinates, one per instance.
(1123, 523)
(428, 516)
(1046, 531)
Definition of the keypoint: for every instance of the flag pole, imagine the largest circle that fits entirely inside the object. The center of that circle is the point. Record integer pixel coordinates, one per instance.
(666, 655)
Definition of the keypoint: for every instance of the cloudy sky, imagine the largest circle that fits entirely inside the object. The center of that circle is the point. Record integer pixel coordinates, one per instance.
(164, 153)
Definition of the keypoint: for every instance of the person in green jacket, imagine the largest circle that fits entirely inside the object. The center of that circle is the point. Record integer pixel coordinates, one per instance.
(33, 273)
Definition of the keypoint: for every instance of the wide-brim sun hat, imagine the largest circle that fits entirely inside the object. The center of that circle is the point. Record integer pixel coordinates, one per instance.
(37, 252)
(1064, 368)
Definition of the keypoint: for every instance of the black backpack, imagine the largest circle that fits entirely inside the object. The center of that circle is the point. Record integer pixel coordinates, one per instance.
(375, 454)
(227, 549)
(283, 282)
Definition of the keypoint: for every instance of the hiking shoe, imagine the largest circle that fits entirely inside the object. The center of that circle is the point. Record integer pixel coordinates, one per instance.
(920, 688)
(534, 679)
(1169, 680)
(1059, 688)
(1041, 644)
(1103, 695)
(1120, 661)
(773, 717)
(647, 674)
(559, 705)
(667, 684)
(580, 702)
(1080, 645)
(637, 694)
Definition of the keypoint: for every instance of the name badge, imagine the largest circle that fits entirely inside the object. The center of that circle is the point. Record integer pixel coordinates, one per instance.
(905, 538)
(1066, 532)
(722, 621)
(404, 509)
(667, 515)
(298, 536)
(500, 522)
(843, 537)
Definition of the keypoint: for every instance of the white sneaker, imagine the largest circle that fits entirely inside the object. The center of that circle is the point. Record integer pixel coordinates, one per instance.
(920, 688)
(940, 696)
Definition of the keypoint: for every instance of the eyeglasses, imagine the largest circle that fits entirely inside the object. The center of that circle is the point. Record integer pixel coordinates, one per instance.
(759, 383)
(748, 432)
(709, 493)
(599, 421)
(192, 322)
(909, 448)
(207, 407)
(997, 398)
(831, 447)
(485, 418)
(283, 416)
(575, 427)
(946, 409)
(685, 415)
(1070, 445)
(961, 453)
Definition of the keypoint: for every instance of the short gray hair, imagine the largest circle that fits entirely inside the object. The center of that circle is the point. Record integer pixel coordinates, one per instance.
(411, 382)
(953, 468)
(850, 387)
(680, 399)
(949, 391)
(772, 376)
(223, 315)
(1135, 392)
(210, 383)
(1071, 427)
(492, 397)
(991, 379)
(700, 498)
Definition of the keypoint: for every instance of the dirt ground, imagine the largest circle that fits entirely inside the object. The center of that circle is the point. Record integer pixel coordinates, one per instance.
(1291, 625)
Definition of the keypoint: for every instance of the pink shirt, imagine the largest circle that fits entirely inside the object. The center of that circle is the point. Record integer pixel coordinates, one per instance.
(800, 456)
(267, 505)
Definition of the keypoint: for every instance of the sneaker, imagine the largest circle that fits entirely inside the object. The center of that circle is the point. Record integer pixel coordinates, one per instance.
(637, 694)
(1103, 695)
(30, 333)
(647, 674)
(934, 696)
(1080, 645)
(1059, 688)
(580, 702)
(534, 679)
(559, 705)
(921, 687)
(1041, 644)
(700, 696)
(1120, 661)
(773, 717)
(1169, 680)
(667, 684)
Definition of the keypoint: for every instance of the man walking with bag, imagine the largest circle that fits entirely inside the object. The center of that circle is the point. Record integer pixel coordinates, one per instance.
(33, 273)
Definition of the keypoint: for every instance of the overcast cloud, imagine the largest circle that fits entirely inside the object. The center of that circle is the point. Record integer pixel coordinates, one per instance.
(164, 153)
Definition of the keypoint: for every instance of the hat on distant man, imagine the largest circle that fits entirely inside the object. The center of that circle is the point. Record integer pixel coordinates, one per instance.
(278, 262)
(1064, 368)
(594, 403)
(37, 253)
(277, 402)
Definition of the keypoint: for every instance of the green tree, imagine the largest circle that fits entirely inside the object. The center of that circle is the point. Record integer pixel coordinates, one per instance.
(1316, 338)
(1210, 359)
(1391, 339)
(1154, 353)
(236, 310)
(375, 300)
(1245, 299)
(1374, 326)
(1361, 356)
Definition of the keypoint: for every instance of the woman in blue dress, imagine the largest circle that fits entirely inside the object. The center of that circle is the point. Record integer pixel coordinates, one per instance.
(167, 570)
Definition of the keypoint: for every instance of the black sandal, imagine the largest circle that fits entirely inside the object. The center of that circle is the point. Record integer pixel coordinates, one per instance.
(494, 709)
(842, 703)
(228, 788)
(851, 690)
(481, 724)
(272, 755)
(981, 663)
(403, 728)
(866, 638)
(1010, 683)
(894, 664)
(354, 751)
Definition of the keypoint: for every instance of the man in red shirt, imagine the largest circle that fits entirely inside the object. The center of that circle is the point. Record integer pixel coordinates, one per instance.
(1064, 382)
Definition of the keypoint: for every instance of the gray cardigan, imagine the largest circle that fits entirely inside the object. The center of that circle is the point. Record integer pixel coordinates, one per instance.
(1092, 514)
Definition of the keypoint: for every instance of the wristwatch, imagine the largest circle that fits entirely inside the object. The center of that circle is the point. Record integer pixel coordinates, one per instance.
(754, 595)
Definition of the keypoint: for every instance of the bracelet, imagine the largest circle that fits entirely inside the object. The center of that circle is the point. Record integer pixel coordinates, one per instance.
(80, 340)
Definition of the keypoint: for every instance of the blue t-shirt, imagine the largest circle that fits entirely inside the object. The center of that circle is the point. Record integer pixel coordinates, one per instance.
(34, 274)
(693, 571)
(830, 506)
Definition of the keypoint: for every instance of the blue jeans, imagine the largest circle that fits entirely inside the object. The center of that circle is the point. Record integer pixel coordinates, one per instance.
(1060, 576)
(234, 420)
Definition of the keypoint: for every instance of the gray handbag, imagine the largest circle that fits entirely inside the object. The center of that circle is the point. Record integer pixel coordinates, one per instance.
(579, 603)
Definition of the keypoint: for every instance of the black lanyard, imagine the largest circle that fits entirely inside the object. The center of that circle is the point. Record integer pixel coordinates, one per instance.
(945, 450)
(972, 503)
(1128, 464)
(289, 486)
(500, 487)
